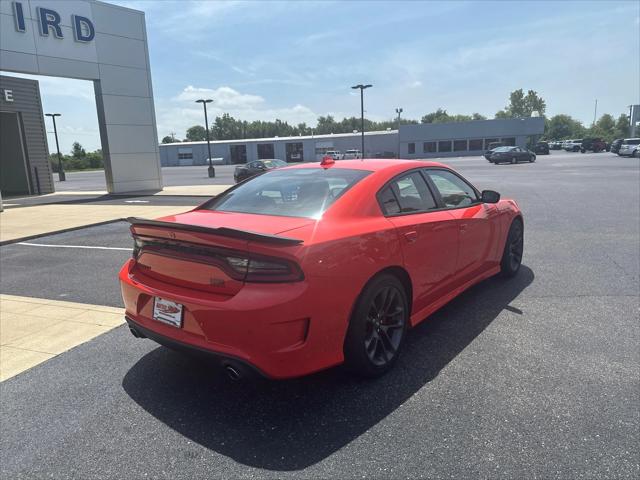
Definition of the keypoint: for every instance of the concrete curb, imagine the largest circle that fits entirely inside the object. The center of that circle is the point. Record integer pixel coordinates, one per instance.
(71, 229)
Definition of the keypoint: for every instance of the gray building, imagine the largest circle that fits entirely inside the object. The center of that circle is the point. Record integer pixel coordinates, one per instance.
(107, 44)
(292, 149)
(427, 140)
(24, 156)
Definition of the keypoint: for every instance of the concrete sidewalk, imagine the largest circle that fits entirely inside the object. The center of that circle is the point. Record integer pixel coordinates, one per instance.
(30, 222)
(33, 330)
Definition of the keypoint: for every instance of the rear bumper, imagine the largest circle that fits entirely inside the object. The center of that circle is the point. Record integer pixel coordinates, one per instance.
(223, 361)
(280, 330)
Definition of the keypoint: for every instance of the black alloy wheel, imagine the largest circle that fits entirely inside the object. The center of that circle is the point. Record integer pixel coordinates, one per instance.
(377, 327)
(513, 249)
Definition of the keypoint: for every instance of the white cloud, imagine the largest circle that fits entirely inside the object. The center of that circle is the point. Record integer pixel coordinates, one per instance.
(181, 112)
(225, 97)
(415, 84)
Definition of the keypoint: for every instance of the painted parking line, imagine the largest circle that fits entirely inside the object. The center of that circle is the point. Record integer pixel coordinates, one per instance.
(125, 249)
(34, 330)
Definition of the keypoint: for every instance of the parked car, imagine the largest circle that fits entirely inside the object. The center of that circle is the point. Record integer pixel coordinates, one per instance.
(555, 145)
(594, 145)
(352, 154)
(242, 172)
(335, 154)
(615, 145)
(264, 277)
(573, 145)
(541, 148)
(512, 155)
(490, 148)
(629, 147)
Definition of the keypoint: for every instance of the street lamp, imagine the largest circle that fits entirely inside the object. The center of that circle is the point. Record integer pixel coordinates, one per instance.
(362, 87)
(212, 171)
(61, 176)
(399, 111)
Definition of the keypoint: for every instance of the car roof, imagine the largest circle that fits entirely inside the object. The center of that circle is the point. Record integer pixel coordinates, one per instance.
(372, 164)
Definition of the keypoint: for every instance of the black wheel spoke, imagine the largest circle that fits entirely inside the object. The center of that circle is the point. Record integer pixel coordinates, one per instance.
(384, 322)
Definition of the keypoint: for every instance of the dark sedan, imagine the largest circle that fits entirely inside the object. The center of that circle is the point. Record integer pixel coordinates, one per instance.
(512, 155)
(541, 148)
(615, 145)
(243, 172)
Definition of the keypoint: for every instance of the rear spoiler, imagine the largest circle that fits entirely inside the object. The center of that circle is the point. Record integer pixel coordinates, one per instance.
(222, 231)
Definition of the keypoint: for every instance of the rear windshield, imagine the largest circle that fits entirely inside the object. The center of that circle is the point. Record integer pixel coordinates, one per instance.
(304, 192)
(503, 149)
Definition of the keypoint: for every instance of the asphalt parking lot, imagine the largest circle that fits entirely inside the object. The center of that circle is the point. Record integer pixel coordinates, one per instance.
(534, 377)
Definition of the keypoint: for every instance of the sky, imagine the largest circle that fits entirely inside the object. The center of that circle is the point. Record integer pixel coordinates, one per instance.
(296, 60)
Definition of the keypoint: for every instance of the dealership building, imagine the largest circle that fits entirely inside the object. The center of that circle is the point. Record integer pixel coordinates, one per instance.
(427, 140)
(89, 40)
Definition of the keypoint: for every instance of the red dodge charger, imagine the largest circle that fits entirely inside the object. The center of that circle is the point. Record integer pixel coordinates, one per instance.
(315, 265)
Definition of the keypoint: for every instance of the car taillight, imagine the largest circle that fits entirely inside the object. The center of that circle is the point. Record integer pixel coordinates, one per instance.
(265, 269)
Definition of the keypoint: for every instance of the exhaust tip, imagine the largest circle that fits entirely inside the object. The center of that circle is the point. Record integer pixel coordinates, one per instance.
(232, 373)
(135, 333)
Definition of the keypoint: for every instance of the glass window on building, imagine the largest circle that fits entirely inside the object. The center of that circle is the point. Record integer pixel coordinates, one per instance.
(265, 150)
(411, 148)
(238, 153)
(429, 147)
(185, 153)
(509, 141)
(475, 144)
(459, 145)
(294, 152)
(444, 146)
(489, 141)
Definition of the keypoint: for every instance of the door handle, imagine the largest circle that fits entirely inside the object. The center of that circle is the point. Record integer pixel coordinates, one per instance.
(411, 236)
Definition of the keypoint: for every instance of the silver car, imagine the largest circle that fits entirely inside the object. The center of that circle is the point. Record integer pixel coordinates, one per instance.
(629, 147)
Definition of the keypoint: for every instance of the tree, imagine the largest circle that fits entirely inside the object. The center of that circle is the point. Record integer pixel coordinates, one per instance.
(563, 126)
(169, 139)
(622, 126)
(197, 133)
(604, 128)
(77, 151)
(521, 105)
(439, 116)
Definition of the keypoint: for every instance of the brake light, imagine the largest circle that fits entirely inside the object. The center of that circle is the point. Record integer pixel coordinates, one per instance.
(265, 270)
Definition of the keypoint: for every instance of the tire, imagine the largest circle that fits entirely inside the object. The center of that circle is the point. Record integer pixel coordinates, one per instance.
(635, 154)
(514, 160)
(513, 249)
(375, 338)
(532, 158)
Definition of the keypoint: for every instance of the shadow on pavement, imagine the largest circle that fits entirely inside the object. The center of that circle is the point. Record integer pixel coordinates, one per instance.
(290, 425)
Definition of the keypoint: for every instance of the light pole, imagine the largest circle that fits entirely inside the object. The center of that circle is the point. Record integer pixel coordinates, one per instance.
(399, 111)
(212, 171)
(362, 87)
(61, 176)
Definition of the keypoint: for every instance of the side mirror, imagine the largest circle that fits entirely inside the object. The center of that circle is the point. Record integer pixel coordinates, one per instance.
(489, 196)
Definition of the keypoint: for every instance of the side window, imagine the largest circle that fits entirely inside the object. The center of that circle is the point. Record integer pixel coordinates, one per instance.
(454, 191)
(412, 193)
(388, 202)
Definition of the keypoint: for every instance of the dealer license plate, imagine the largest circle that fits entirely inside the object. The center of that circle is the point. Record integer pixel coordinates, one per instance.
(167, 312)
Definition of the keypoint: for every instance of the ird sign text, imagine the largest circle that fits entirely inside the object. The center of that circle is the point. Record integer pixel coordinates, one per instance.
(49, 21)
